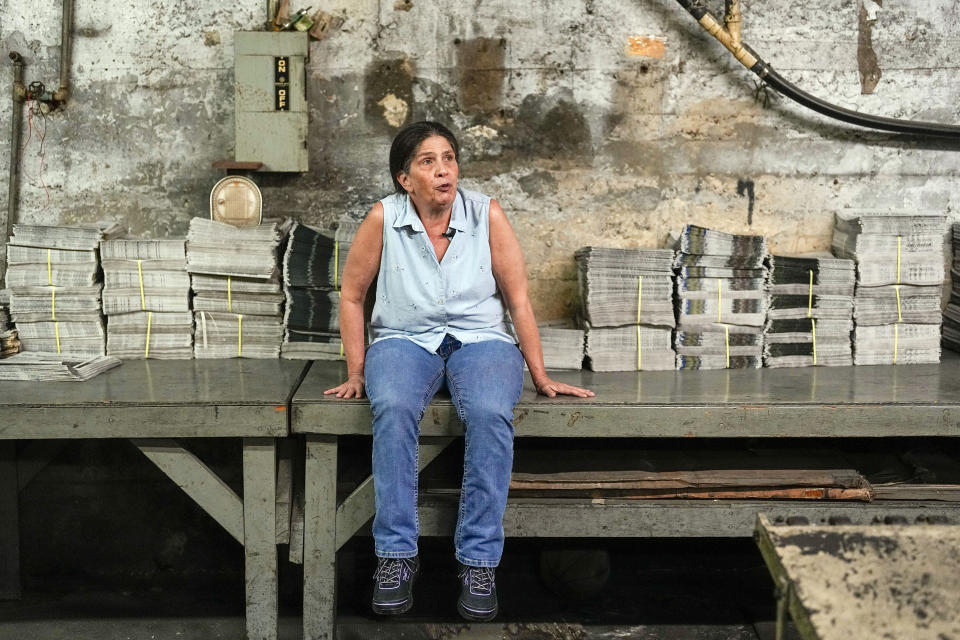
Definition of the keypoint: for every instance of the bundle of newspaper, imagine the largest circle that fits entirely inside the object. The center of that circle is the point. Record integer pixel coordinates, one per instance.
(626, 306)
(632, 348)
(146, 296)
(9, 342)
(810, 314)
(50, 367)
(721, 299)
(53, 274)
(718, 346)
(234, 275)
(951, 315)
(899, 276)
(562, 347)
(312, 272)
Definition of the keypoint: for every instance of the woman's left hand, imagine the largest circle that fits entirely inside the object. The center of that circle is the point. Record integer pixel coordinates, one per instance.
(552, 389)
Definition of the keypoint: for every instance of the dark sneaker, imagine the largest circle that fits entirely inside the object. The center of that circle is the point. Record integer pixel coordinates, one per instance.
(393, 585)
(478, 593)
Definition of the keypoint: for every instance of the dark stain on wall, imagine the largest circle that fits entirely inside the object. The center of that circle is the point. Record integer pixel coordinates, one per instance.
(866, 57)
(538, 184)
(553, 127)
(480, 65)
(745, 188)
(385, 83)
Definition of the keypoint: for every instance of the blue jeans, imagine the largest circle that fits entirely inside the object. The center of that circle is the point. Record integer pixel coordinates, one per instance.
(485, 380)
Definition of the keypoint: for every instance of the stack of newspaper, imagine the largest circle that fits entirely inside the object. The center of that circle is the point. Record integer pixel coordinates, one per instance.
(951, 315)
(810, 313)
(312, 273)
(9, 342)
(626, 308)
(899, 278)
(53, 274)
(562, 347)
(238, 304)
(721, 299)
(146, 296)
(50, 367)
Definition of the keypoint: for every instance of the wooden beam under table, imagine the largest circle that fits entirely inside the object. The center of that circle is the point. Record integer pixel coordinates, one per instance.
(9, 523)
(320, 538)
(260, 536)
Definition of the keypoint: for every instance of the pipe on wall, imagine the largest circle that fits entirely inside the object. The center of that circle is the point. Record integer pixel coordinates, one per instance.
(752, 61)
(18, 94)
(66, 45)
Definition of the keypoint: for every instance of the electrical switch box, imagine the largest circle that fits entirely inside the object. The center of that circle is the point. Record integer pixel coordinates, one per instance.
(271, 99)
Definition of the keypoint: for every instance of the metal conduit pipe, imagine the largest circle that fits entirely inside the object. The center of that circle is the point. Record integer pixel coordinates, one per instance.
(66, 42)
(18, 94)
(752, 61)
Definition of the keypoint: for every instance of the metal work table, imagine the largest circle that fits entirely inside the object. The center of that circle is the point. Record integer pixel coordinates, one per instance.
(153, 403)
(867, 581)
(879, 401)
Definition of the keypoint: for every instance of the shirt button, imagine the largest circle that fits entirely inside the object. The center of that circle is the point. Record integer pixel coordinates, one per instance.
(439, 300)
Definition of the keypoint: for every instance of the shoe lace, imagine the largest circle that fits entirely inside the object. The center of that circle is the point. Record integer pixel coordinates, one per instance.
(390, 571)
(480, 580)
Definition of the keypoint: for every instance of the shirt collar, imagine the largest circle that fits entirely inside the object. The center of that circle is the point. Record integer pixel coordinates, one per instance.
(409, 217)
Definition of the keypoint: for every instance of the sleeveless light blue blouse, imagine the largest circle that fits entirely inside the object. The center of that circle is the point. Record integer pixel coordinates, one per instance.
(421, 299)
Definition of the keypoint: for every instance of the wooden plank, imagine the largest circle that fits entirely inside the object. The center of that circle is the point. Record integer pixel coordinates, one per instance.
(565, 518)
(284, 489)
(198, 481)
(945, 492)
(260, 537)
(34, 456)
(739, 493)
(699, 479)
(9, 523)
(360, 505)
(320, 539)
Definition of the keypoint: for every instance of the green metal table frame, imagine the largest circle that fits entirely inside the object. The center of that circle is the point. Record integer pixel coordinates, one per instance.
(154, 404)
(842, 402)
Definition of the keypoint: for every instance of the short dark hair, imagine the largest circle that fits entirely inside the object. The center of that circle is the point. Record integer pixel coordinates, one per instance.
(408, 140)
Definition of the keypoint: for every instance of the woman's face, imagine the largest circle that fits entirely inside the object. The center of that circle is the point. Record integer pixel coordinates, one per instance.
(432, 179)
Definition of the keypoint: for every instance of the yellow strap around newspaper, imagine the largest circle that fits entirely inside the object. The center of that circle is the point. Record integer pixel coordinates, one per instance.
(899, 314)
(49, 269)
(229, 295)
(56, 329)
(639, 307)
(143, 299)
(53, 304)
(726, 329)
(240, 335)
(810, 297)
(336, 265)
(813, 332)
(146, 349)
(896, 340)
(719, 299)
(341, 348)
(898, 259)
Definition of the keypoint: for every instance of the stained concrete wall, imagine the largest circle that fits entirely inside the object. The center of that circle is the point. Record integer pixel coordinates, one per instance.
(592, 121)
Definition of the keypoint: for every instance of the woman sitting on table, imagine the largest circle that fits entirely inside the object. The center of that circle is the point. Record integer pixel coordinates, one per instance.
(447, 264)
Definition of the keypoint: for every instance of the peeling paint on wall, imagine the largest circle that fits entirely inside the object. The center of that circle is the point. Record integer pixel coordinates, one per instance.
(867, 62)
(646, 47)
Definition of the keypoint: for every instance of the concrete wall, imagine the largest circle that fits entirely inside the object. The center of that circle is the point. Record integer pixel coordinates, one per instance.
(592, 121)
(606, 122)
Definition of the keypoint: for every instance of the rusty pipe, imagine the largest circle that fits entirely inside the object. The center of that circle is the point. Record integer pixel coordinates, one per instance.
(765, 72)
(732, 19)
(66, 45)
(18, 93)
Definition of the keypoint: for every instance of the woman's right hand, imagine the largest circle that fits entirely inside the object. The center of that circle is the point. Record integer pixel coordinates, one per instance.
(352, 388)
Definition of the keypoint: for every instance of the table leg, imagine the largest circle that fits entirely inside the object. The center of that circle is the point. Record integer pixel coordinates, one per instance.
(9, 523)
(320, 539)
(260, 537)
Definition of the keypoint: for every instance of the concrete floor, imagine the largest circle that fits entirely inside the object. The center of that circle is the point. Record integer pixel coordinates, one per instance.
(657, 590)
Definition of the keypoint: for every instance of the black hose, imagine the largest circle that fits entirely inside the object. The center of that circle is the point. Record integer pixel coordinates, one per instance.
(796, 94)
(781, 84)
